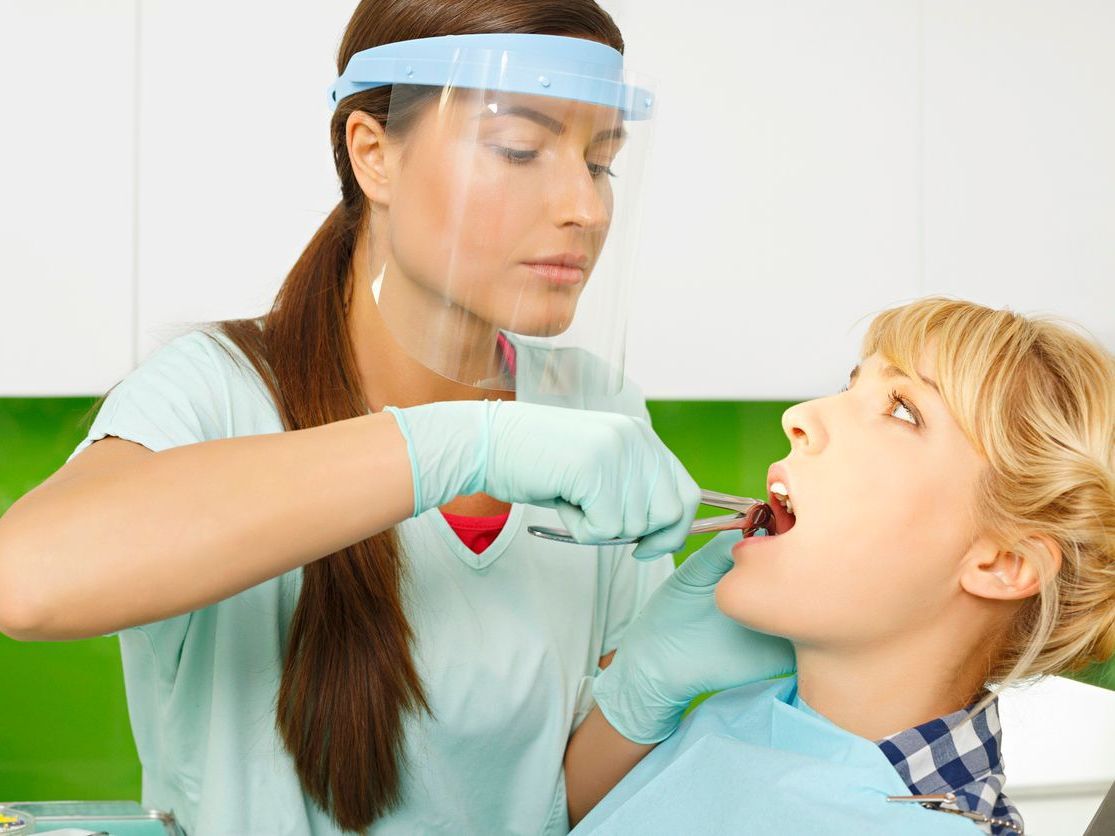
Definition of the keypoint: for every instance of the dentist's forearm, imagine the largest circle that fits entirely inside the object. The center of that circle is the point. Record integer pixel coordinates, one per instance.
(596, 759)
(146, 536)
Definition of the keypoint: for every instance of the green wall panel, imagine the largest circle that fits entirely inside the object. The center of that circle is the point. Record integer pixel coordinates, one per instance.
(725, 445)
(36, 436)
(64, 729)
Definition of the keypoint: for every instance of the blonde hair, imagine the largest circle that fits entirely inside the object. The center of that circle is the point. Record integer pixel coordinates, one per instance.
(1037, 400)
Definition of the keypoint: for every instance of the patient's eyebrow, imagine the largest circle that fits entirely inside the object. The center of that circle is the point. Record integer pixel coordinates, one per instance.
(852, 375)
(894, 371)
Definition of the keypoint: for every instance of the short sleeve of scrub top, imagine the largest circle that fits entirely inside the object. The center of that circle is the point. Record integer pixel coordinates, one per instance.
(183, 394)
(507, 643)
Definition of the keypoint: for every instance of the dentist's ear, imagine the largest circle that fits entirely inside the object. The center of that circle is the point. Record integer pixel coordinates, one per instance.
(1013, 574)
(367, 153)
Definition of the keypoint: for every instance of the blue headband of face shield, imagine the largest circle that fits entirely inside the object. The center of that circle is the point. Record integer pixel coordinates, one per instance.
(543, 65)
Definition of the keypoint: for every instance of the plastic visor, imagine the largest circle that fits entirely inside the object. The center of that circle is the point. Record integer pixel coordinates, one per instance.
(500, 252)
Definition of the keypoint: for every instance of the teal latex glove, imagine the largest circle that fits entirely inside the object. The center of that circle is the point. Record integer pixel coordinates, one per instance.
(607, 475)
(679, 646)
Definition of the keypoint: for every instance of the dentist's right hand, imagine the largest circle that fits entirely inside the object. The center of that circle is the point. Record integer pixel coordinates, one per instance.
(607, 475)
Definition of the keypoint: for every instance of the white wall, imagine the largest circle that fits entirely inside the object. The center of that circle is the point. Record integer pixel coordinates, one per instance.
(235, 166)
(67, 195)
(1057, 748)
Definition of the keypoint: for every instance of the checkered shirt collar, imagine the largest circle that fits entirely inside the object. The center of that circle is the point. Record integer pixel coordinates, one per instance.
(959, 753)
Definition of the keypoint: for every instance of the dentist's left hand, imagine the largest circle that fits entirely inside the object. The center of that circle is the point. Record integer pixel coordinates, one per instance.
(680, 646)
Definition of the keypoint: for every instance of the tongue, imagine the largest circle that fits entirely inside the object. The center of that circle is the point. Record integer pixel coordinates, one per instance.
(782, 520)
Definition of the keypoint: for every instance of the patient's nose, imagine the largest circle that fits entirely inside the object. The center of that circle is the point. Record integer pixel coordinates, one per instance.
(804, 426)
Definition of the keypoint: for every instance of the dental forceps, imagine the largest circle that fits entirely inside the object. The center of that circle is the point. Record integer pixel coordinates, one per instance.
(750, 515)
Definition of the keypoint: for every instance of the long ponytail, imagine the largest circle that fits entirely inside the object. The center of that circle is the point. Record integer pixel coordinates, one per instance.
(349, 676)
(349, 672)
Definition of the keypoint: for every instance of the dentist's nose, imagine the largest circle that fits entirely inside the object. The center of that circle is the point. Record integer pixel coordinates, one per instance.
(805, 428)
(581, 200)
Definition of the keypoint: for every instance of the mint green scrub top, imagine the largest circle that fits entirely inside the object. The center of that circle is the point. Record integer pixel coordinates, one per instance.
(507, 643)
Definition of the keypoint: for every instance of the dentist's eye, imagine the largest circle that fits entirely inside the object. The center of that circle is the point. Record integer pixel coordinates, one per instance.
(903, 410)
(596, 169)
(515, 155)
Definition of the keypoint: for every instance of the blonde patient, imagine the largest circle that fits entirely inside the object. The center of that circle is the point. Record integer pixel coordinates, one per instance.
(944, 524)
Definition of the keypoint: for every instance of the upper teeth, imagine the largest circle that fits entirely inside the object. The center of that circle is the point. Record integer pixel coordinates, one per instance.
(782, 494)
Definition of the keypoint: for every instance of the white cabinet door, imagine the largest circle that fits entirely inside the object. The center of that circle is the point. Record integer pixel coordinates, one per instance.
(782, 202)
(236, 168)
(1057, 737)
(1020, 156)
(67, 83)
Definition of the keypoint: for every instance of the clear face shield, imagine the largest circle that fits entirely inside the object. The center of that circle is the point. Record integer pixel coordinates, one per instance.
(500, 256)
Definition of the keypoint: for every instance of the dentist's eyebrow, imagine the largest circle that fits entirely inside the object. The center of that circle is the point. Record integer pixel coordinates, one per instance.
(539, 118)
(894, 371)
(548, 122)
(618, 132)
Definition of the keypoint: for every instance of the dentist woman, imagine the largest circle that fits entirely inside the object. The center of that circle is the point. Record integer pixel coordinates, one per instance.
(309, 529)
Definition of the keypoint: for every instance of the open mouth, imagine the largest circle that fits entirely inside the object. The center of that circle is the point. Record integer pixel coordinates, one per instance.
(783, 507)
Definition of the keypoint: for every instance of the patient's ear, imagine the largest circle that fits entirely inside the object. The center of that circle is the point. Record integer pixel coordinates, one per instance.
(1011, 574)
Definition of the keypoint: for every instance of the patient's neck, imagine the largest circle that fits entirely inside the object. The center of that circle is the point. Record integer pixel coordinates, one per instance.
(877, 690)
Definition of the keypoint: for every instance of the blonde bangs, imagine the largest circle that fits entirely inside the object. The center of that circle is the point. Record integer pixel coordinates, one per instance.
(974, 354)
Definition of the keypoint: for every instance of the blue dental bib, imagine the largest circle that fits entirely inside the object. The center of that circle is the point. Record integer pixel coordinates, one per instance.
(750, 761)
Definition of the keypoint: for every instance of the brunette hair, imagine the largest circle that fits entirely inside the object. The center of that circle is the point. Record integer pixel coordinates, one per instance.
(349, 677)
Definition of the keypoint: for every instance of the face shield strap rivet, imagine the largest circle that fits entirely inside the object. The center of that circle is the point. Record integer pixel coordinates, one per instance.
(544, 81)
(409, 71)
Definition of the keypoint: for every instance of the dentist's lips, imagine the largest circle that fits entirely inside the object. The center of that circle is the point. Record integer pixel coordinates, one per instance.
(564, 269)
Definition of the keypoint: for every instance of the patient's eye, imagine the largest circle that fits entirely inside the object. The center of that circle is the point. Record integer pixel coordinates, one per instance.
(903, 410)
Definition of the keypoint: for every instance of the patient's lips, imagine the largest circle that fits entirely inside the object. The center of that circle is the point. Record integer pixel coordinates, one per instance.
(778, 520)
(781, 503)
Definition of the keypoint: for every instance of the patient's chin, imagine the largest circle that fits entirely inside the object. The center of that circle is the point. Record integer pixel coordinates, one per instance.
(759, 602)
(735, 599)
